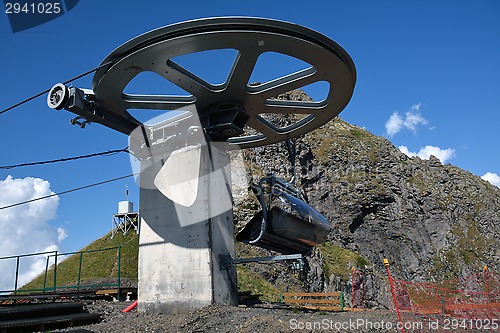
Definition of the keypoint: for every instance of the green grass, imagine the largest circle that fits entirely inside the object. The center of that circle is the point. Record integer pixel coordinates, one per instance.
(251, 281)
(337, 136)
(468, 247)
(358, 133)
(339, 261)
(94, 265)
(103, 265)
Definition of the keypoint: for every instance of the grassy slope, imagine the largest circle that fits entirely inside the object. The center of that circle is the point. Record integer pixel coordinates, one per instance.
(251, 281)
(102, 264)
(339, 261)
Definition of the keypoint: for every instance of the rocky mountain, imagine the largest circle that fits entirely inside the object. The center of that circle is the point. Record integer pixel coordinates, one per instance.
(432, 221)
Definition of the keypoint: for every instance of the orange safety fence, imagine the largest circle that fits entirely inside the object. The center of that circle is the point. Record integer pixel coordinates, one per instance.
(458, 305)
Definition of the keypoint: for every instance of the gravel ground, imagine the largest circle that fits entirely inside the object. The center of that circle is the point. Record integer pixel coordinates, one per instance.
(217, 318)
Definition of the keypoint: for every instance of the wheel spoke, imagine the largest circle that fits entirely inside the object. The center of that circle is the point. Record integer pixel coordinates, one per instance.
(263, 126)
(242, 69)
(157, 102)
(186, 80)
(294, 107)
(284, 84)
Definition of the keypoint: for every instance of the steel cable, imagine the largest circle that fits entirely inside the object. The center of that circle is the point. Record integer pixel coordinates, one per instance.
(109, 152)
(47, 91)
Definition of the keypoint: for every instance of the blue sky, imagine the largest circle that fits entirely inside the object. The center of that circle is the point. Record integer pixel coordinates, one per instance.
(431, 67)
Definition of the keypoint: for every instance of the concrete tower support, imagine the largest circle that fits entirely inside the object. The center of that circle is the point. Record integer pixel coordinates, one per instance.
(181, 242)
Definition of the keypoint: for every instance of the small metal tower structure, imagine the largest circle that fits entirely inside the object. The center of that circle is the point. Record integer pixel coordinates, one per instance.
(125, 220)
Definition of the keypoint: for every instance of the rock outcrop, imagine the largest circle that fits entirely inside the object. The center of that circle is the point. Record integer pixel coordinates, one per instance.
(432, 221)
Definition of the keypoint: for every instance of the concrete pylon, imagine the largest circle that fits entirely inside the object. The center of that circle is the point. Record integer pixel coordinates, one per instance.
(182, 240)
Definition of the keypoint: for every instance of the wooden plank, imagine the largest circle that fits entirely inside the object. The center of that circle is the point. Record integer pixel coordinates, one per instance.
(331, 294)
(114, 291)
(425, 311)
(469, 306)
(323, 308)
(459, 307)
(315, 301)
(106, 291)
(312, 301)
(249, 297)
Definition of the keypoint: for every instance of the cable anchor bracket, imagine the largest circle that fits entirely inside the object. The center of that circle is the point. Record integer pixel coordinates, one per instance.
(72, 99)
(82, 102)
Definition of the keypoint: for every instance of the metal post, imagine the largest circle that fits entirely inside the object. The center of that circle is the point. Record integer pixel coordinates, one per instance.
(119, 275)
(17, 274)
(227, 261)
(79, 271)
(393, 292)
(352, 288)
(45, 275)
(487, 289)
(55, 271)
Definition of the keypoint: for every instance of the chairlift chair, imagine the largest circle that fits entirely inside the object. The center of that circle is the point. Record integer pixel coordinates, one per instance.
(291, 226)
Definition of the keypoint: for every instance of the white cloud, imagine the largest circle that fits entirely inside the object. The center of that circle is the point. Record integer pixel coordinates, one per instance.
(410, 121)
(394, 124)
(25, 228)
(61, 234)
(493, 178)
(405, 151)
(424, 153)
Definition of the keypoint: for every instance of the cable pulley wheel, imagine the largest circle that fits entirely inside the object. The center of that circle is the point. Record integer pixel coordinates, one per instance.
(58, 96)
(250, 37)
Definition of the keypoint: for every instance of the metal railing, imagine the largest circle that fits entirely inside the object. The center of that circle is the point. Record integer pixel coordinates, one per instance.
(49, 269)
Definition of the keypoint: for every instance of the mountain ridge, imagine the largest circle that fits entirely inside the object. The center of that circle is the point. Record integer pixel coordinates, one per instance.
(431, 220)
